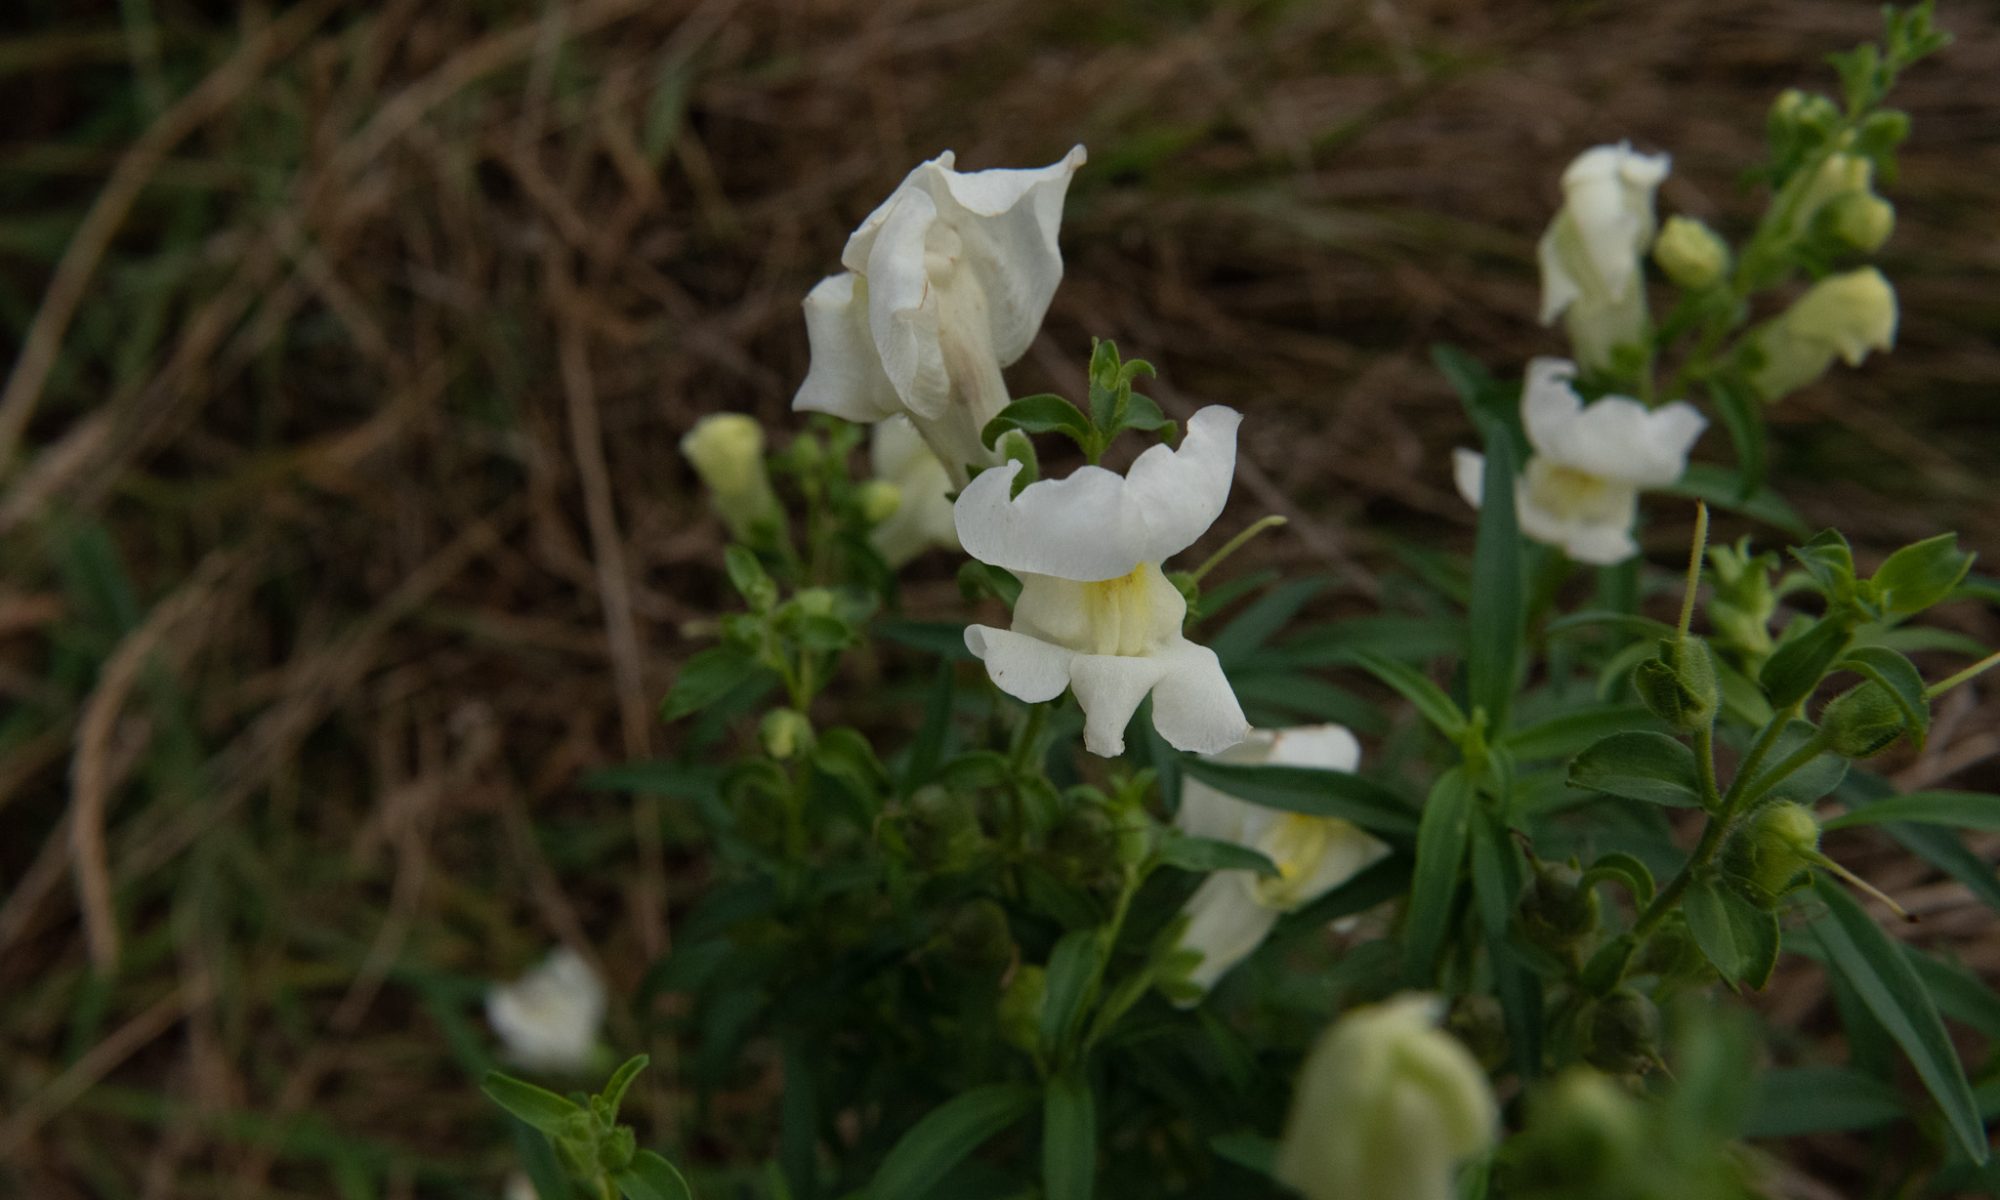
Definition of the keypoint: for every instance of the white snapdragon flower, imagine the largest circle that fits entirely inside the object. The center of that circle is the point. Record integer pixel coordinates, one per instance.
(1232, 911)
(946, 283)
(1387, 1106)
(727, 451)
(923, 514)
(1096, 615)
(1592, 255)
(1841, 317)
(550, 1017)
(1580, 490)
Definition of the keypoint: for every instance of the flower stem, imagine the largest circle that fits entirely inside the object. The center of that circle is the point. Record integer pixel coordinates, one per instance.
(1694, 565)
(1234, 544)
(1944, 685)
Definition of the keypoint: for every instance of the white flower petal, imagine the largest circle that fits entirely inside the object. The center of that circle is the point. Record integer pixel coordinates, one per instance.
(1328, 747)
(845, 378)
(1608, 193)
(861, 243)
(1622, 439)
(1207, 813)
(1194, 708)
(1225, 923)
(1109, 688)
(1468, 471)
(903, 308)
(1095, 524)
(1600, 545)
(1549, 403)
(1008, 226)
(1024, 667)
(1349, 851)
(550, 1017)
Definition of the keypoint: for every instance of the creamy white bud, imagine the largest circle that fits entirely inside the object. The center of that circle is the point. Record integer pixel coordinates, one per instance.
(727, 451)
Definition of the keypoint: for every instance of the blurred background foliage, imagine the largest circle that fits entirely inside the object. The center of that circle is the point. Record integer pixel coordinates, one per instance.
(344, 534)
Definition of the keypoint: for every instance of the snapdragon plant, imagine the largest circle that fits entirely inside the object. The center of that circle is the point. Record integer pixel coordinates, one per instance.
(1091, 888)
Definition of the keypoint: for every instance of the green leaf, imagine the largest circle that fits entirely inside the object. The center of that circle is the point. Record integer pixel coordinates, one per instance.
(1441, 841)
(1921, 574)
(1045, 413)
(1961, 810)
(706, 678)
(1819, 776)
(1309, 790)
(1739, 938)
(1259, 621)
(1794, 1101)
(537, 1106)
(1069, 1139)
(1413, 685)
(1073, 968)
(1560, 737)
(1408, 639)
(946, 1135)
(928, 748)
(1723, 488)
(946, 638)
(1643, 628)
(1897, 676)
(1961, 995)
(1828, 558)
(749, 578)
(1799, 663)
(1201, 855)
(1744, 418)
(1143, 413)
(1874, 965)
(1640, 766)
(614, 1091)
(1495, 620)
(651, 1177)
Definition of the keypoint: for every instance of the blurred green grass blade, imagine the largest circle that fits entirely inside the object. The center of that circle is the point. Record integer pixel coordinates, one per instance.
(1495, 620)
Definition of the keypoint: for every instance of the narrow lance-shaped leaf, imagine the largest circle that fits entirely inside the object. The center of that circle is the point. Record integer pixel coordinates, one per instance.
(946, 1135)
(1874, 965)
(1497, 603)
(1441, 841)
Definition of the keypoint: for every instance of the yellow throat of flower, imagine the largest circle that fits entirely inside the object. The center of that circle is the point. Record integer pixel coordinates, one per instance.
(1572, 493)
(1295, 844)
(1120, 613)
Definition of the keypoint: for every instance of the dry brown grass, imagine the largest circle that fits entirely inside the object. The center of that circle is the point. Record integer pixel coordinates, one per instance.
(370, 357)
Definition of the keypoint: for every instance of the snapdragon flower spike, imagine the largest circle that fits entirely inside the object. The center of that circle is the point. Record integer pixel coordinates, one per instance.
(1230, 914)
(946, 283)
(549, 1018)
(1096, 615)
(923, 516)
(1580, 490)
(1592, 254)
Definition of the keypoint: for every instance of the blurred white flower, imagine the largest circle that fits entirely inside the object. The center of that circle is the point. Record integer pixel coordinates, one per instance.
(549, 1018)
(1580, 490)
(1387, 1107)
(727, 451)
(946, 283)
(520, 1187)
(1591, 256)
(923, 516)
(1096, 615)
(1232, 911)
(1842, 316)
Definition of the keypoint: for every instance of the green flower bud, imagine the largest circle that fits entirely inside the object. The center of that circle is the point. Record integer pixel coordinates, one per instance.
(1795, 109)
(1670, 952)
(1770, 852)
(1841, 317)
(1555, 911)
(943, 830)
(1863, 721)
(1621, 1033)
(1582, 1129)
(1861, 220)
(1478, 1020)
(784, 732)
(1691, 253)
(727, 451)
(816, 601)
(1020, 1008)
(976, 935)
(1679, 686)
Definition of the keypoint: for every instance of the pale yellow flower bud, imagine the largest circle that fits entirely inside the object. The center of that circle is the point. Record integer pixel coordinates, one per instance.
(1690, 253)
(727, 451)
(1843, 316)
(1862, 220)
(880, 500)
(1387, 1106)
